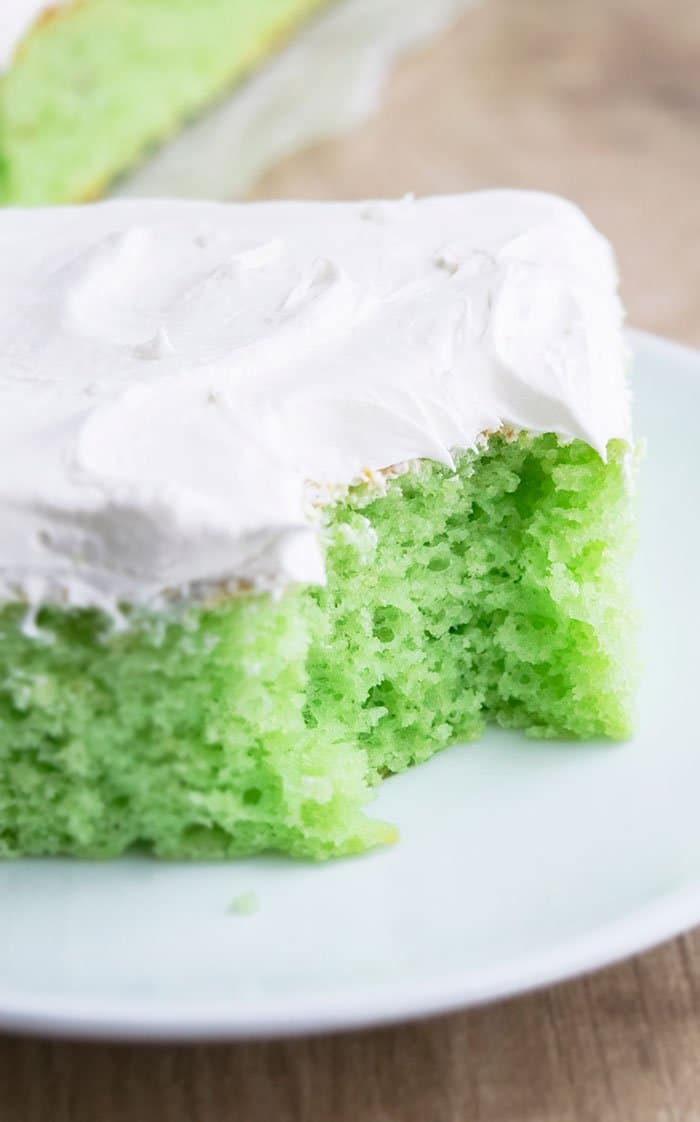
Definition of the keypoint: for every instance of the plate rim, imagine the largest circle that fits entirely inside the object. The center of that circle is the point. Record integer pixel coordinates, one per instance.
(368, 1007)
(344, 1009)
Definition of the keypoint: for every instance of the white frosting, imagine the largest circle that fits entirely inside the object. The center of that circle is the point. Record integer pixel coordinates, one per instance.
(16, 18)
(173, 374)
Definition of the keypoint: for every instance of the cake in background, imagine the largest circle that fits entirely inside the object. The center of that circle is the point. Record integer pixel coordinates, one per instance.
(90, 85)
(292, 496)
(327, 81)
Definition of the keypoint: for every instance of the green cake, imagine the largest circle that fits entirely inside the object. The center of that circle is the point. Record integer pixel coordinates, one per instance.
(296, 495)
(94, 84)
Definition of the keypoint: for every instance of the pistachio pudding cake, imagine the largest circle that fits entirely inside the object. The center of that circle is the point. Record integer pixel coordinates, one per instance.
(292, 496)
(87, 86)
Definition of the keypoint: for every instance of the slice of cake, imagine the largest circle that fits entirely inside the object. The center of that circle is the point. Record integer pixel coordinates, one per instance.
(292, 496)
(90, 85)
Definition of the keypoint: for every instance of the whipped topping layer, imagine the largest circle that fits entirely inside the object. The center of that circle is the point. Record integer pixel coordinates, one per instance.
(16, 18)
(175, 375)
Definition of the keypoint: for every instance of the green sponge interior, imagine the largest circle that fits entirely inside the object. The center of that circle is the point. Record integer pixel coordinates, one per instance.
(493, 592)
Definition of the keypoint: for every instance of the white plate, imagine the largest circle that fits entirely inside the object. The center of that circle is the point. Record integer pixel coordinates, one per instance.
(519, 863)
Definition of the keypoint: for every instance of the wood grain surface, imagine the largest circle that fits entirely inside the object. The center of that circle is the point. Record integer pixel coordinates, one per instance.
(599, 100)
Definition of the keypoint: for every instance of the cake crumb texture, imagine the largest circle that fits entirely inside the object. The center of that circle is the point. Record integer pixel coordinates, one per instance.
(245, 904)
(494, 592)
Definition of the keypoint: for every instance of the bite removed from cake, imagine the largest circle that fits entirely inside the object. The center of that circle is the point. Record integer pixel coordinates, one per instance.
(292, 497)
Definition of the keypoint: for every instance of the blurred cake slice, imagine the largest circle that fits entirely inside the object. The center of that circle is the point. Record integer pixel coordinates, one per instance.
(90, 85)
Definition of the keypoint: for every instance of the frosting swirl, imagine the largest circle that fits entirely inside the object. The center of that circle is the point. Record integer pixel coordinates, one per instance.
(173, 374)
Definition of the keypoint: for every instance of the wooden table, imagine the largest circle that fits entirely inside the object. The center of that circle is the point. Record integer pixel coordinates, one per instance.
(598, 100)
